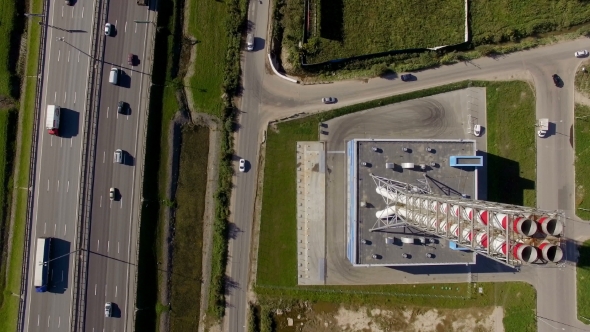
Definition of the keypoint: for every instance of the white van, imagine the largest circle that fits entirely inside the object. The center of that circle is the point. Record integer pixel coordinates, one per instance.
(114, 76)
(250, 41)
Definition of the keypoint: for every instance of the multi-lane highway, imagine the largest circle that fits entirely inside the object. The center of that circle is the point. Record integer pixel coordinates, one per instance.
(57, 182)
(112, 245)
(113, 227)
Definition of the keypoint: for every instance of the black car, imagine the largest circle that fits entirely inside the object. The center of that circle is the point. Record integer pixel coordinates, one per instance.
(122, 108)
(406, 77)
(556, 80)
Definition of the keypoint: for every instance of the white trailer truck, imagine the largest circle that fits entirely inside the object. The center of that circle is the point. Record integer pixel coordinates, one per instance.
(543, 127)
(52, 119)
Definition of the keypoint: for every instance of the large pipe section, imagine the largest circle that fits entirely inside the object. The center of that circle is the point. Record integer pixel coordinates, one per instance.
(550, 252)
(520, 225)
(550, 226)
(499, 245)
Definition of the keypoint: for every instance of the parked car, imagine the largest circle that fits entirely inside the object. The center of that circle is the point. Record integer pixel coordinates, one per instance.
(329, 100)
(556, 79)
(131, 59)
(477, 130)
(407, 77)
(242, 166)
(581, 54)
(108, 29)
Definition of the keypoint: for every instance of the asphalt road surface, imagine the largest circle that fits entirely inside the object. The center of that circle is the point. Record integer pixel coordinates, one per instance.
(268, 97)
(113, 229)
(56, 190)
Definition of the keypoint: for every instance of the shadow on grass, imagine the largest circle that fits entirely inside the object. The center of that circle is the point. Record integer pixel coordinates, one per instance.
(504, 182)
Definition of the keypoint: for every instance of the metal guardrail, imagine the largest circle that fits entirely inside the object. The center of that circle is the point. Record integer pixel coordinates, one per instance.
(32, 170)
(86, 173)
(145, 127)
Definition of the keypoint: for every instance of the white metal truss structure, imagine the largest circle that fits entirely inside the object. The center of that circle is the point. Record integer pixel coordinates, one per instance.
(509, 234)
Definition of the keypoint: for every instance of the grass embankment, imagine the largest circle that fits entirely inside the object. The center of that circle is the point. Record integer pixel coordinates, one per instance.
(583, 283)
(350, 28)
(495, 21)
(10, 282)
(188, 233)
(506, 101)
(582, 147)
(582, 160)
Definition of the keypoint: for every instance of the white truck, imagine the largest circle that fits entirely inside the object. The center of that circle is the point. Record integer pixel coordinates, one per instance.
(52, 119)
(543, 127)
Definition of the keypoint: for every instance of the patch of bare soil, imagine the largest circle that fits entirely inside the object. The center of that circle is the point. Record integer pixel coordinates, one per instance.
(389, 320)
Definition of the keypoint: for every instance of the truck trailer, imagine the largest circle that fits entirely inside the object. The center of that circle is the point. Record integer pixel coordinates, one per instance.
(52, 120)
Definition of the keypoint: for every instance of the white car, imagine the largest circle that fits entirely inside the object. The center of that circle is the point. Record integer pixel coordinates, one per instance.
(108, 309)
(580, 54)
(242, 165)
(477, 130)
(112, 193)
(107, 29)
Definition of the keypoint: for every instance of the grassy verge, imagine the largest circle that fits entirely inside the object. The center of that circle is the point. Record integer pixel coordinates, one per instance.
(506, 101)
(512, 151)
(582, 161)
(10, 282)
(343, 29)
(8, 43)
(583, 283)
(188, 233)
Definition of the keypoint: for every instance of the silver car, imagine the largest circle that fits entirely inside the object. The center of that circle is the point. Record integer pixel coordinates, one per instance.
(108, 29)
(108, 309)
(119, 157)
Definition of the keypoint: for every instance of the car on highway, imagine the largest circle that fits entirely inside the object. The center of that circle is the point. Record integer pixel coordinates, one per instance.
(477, 130)
(131, 59)
(108, 29)
(119, 157)
(122, 107)
(69, 2)
(329, 100)
(407, 77)
(242, 166)
(108, 309)
(581, 54)
(112, 193)
(556, 80)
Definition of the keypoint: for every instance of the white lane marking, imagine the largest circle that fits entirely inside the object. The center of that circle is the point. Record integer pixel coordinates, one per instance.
(101, 201)
(125, 26)
(68, 187)
(45, 228)
(55, 96)
(58, 55)
(51, 142)
(116, 22)
(61, 142)
(59, 320)
(116, 291)
(57, 185)
(75, 95)
(104, 155)
(71, 142)
(69, 55)
(65, 96)
(108, 112)
(135, 28)
(105, 290)
(127, 117)
(38, 319)
(97, 246)
(94, 289)
(108, 245)
(48, 318)
(121, 200)
(72, 12)
(62, 11)
(65, 229)
(47, 184)
(79, 56)
(54, 229)
(82, 11)
(117, 247)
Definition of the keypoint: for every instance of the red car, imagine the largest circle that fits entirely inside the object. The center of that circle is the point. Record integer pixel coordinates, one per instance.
(131, 59)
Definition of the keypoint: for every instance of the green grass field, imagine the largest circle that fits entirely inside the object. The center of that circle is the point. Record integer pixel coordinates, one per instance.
(582, 161)
(583, 283)
(510, 107)
(511, 143)
(350, 28)
(10, 282)
(207, 25)
(7, 17)
(494, 21)
(188, 240)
